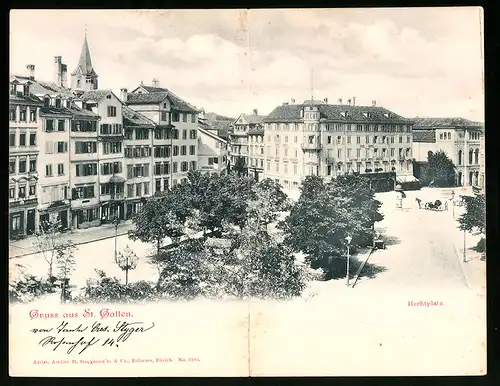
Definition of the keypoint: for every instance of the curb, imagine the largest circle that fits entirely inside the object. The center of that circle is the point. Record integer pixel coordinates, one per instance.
(81, 243)
(467, 280)
(360, 269)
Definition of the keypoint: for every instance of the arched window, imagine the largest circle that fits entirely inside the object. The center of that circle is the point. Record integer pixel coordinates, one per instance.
(459, 178)
(476, 156)
(470, 156)
(440, 135)
(471, 174)
(449, 135)
(460, 157)
(46, 101)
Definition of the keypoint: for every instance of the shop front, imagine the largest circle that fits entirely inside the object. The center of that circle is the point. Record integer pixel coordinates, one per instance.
(86, 217)
(57, 213)
(22, 219)
(112, 210)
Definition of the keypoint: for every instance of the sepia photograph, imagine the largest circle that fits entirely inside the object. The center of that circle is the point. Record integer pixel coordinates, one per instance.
(269, 192)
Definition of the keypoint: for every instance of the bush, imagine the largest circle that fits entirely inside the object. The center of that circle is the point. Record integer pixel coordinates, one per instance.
(481, 245)
(28, 288)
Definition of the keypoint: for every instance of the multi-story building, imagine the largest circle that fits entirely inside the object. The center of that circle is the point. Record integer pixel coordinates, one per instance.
(256, 152)
(482, 159)
(212, 151)
(238, 137)
(175, 142)
(84, 78)
(138, 161)
(109, 152)
(317, 138)
(459, 138)
(24, 124)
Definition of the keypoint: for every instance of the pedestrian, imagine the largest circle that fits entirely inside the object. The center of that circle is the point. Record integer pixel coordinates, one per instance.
(418, 202)
(446, 205)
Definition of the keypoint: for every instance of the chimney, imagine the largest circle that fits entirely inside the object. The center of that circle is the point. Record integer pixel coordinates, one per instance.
(340, 101)
(64, 75)
(354, 101)
(155, 82)
(349, 102)
(292, 100)
(325, 100)
(255, 112)
(57, 69)
(124, 94)
(31, 71)
(374, 103)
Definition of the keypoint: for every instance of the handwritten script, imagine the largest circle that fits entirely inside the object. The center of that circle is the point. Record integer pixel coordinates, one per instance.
(77, 337)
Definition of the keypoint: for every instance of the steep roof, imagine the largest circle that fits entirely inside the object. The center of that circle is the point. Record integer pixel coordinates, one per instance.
(52, 110)
(95, 95)
(428, 136)
(79, 112)
(132, 118)
(447, 122)
(140, 99)
(210, 134)
(257, 130)
(375, 114)
(20, 98)
(177, 102)
(39, 87)
(85, 62)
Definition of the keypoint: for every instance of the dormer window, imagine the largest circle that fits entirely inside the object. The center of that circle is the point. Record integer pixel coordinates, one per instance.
(366, 114)
(108, 96)
(387, 115)
(301, 113)
(78, 83)
(26, 90)
(46, 102)
(13, 89)
(58, 103)
(344, 114)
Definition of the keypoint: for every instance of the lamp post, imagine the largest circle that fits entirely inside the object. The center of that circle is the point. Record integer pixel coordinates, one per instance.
(348, 239)
(453, 203)
(465, 248)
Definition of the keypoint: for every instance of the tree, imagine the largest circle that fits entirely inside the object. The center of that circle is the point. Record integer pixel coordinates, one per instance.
(268, 199)
(47, 239)
(473, 220)
(127, 260)
(240, 166)
(159, 219)
(441, 168)
(24, 287)
(325, 215)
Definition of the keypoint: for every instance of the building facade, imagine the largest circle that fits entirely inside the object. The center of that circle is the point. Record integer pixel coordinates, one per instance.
(24, 124)
(212, 151)
(459, 138)
(238, 137)
(256, 153)
(175, 140)
(316, 138)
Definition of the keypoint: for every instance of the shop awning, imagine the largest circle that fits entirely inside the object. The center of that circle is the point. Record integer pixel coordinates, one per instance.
(114, 179)
(403, 179)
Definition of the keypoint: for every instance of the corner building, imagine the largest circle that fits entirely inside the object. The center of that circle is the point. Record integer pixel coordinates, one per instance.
(316, 138)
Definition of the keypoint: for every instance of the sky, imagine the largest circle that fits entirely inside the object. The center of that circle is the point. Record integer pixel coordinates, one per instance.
(425, 62)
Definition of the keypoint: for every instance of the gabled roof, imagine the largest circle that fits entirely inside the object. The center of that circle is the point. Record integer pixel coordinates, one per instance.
(177, 102)
(52, 110)
(85, 62)
(336, 113)
(29, 99)
(210, 134)
(257, 130)
(96, 95)
(79, 112)
(40, 88)
(140, 99)
(428, 136)
(132, 118)
(450, 122)
(252, 119)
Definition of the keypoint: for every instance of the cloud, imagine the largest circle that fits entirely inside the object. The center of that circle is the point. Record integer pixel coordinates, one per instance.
(415, 61)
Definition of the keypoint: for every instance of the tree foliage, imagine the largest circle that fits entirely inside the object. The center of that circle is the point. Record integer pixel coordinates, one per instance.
(24, 287)
(240, 166)
(325, 214)
(47, 240)
(473, 220)
(441, 168)
(267, 201)
(65, 257)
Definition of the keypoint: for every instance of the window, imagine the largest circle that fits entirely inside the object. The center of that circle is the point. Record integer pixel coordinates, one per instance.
(328, 139)
(32, 114)
(192, 134)
(183, 150)
(22, 114)
(141, 134)
(12, 139)
(192, 150)
(84, 126)
(193, 118)
(175, 134)
(130, 190)
(129, 134)
(339, 139)
(277, 167)
(85, 147)
(83, 170)
(401, 139)
(111, 111)
(12, 114)
(175, 116)
(83, 191)
(348, 139)
(164, 116)
(62, 147)
(48, 170)
(49, 125)
(176, 150)
(12, 192)
(184, 166)
(60, 169)
(192, 165)
(22, 139)
(111, 147)
(339, 153)
(22, 165)
(146, 188)
(375, 138)
(184, 117)
(32, 139)
(12, 166)
(32, 164)
(184, 134)
(158, 186)
(22, 192)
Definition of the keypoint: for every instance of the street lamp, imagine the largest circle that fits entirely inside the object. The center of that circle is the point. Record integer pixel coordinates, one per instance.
(127, 260)
(348, 239)
(453, 203)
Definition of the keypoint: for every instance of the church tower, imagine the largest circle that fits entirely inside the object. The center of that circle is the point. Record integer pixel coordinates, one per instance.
(84, 78)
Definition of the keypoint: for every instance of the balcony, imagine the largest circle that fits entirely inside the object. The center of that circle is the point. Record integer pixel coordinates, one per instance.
(311, 146)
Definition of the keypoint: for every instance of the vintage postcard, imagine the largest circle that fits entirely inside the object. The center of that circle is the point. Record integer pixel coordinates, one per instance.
(278, 192)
